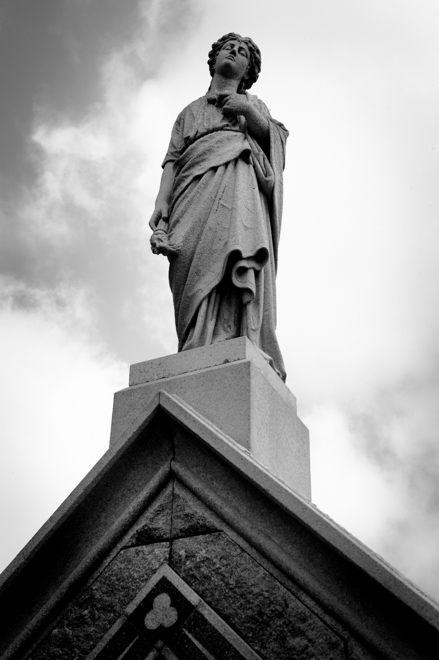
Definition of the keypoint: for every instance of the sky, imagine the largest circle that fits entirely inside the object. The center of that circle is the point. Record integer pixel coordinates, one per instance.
(89, 93)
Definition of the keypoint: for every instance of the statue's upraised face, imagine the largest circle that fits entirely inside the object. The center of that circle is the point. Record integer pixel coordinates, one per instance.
(223, 47)
(233, 59)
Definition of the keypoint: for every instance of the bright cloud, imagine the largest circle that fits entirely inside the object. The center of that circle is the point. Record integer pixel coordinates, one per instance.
(56, 394)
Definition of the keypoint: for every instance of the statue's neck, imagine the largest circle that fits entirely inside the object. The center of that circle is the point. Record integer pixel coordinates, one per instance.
(222, 85)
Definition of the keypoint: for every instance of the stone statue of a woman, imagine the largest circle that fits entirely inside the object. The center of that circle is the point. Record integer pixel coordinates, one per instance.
(218, 211)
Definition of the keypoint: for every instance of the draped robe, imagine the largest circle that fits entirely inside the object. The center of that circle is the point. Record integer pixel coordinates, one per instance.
(225, 218)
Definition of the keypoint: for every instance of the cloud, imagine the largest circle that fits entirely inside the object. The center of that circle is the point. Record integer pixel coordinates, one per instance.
(56, 391)
(375, 467)
(84, 221)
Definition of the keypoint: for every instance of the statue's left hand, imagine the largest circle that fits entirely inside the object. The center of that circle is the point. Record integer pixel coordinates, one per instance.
(161, 214)
(235, 104)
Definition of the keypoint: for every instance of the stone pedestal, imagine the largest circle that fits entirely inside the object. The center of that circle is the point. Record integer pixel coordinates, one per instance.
(234, 388)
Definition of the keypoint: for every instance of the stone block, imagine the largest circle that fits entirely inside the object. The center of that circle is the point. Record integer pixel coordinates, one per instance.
(174, 513)
(270, 618)
(155, 523)
(167, 619)
(232, 385)
(189, 517)
(101, 604)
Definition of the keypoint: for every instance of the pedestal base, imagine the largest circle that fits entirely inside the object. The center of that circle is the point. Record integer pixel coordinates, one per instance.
(233, 386)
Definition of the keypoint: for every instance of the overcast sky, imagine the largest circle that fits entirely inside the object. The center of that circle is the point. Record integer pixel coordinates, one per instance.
(89, 92)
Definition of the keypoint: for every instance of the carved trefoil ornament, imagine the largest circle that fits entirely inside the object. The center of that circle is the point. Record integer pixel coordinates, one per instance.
(167, 619)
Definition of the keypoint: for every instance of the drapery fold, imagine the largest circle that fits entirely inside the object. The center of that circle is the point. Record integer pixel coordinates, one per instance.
(225, 218)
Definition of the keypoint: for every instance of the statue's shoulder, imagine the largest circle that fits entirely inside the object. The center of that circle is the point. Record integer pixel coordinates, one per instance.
(193, 106)
(188, 115)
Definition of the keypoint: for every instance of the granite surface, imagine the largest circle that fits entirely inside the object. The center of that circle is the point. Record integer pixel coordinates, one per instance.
(100, 605)
(273, 621)
(173, 514)
(272, 576)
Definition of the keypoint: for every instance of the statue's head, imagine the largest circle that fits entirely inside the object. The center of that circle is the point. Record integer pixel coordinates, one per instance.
(254, 68)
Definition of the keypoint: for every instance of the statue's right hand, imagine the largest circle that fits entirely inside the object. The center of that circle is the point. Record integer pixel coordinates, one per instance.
(161, 212)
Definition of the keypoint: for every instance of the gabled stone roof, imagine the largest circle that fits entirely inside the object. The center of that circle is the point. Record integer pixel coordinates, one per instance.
(183, 543)
(276, 575)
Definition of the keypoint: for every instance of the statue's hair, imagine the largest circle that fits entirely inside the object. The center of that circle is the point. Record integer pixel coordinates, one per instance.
(255, 58)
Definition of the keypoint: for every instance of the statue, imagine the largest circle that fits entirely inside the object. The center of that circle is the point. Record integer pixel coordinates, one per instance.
(218, 212)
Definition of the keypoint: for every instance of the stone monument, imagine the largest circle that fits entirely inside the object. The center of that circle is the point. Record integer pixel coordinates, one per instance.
(219, 208)
(194, 536)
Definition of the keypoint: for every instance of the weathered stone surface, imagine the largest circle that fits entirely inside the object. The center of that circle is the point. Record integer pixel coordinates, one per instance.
(206, 357)
(218, 212)
(213, 641)
(168, 616)
(101, 604)
(306, 590)
(214, 355)
(358, 651)
(243, 398)
(189, 516)
(174, 513)
(155, 524)
(273, 621)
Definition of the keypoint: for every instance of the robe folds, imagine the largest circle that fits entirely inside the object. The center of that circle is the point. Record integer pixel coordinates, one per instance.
(225, 218)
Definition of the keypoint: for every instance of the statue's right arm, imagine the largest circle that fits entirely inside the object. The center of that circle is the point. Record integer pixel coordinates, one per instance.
(162, 203)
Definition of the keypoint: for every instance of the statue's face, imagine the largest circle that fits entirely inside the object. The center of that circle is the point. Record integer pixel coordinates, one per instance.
(233, 59)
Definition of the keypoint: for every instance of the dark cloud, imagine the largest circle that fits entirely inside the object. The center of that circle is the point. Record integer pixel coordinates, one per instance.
(52, 52)
(78, 219)
(113, 272)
